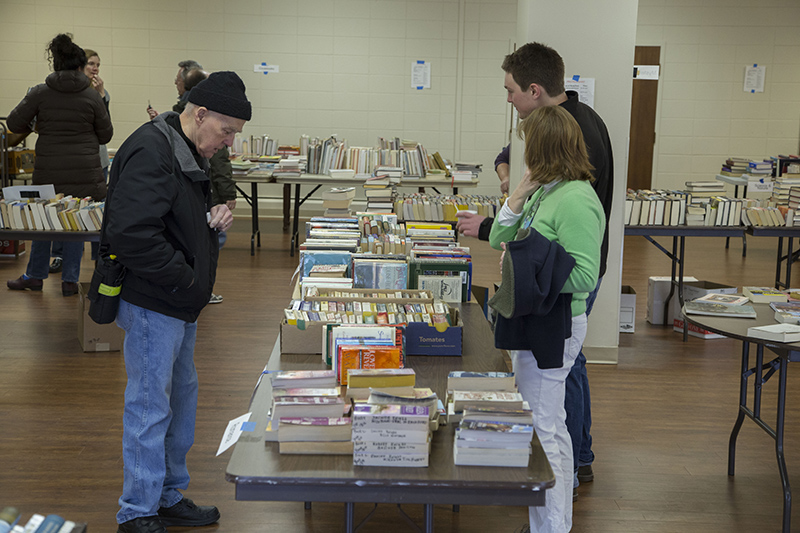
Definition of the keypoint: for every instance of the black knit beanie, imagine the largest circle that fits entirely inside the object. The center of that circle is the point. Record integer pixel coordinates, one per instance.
(222, 92)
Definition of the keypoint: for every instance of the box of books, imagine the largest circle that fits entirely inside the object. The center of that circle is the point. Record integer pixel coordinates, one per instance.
(96, 337)
(439, 339)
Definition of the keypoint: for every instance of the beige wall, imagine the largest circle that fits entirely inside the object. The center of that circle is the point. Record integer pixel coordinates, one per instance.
(704, 115)
(344, 64)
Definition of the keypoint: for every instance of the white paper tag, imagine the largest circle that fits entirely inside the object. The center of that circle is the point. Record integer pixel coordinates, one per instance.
(232, 432)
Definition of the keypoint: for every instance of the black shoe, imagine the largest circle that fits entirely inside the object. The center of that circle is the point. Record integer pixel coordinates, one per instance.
(56, 265)
(186, 513)
(524, 529)
(22, 283)
(144, 524)
(69, 288)
(585, 474)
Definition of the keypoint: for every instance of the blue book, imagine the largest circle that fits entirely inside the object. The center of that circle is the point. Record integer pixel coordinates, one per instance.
(51, 524)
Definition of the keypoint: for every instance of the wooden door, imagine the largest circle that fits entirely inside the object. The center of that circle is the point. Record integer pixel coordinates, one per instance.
(643, 122)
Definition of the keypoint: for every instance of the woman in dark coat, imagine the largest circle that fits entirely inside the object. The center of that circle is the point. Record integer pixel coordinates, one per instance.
(72, 122)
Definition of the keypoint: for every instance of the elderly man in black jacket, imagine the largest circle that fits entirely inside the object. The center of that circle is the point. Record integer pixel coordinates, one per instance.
(162, 226)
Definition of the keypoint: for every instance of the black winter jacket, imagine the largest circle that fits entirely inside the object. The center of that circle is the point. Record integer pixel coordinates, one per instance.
(72, 122)
(157, 221)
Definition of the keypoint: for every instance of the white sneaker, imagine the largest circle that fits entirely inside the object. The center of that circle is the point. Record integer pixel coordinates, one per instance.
(215, 299)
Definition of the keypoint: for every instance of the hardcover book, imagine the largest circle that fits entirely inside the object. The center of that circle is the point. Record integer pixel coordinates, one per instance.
(787, 333)
(715, 309)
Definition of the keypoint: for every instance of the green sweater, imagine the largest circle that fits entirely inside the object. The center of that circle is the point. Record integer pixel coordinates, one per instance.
(571, 215)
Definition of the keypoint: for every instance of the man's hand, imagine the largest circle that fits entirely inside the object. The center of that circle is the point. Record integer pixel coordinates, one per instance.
(503, 173)
(469, 223)
(221, 217)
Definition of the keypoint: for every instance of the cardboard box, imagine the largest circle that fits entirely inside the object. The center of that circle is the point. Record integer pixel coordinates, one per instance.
(92, 336)
(693, 290)
(627, 310)
(696, 289)
(422, 339)
(301, 341)
(657, 292)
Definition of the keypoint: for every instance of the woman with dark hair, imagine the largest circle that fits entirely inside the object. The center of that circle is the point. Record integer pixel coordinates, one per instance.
(72, 122)
(551, 229)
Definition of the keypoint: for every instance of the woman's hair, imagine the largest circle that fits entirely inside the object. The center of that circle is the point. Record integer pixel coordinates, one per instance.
(64, 54)
(554, 146)
(89, 53)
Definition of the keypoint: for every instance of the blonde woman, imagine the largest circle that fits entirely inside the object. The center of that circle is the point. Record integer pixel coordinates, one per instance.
(551, 229)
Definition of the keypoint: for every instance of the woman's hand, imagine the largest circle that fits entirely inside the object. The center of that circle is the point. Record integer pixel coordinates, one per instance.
(502, 257)
(527, 186)
(98, 85)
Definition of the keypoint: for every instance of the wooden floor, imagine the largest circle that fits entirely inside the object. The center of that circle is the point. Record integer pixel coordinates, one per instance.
(662, 416)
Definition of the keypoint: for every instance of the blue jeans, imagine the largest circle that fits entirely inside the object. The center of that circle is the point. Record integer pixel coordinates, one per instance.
(56, 250)
(578, 404)
(160, 407)
(39, 261)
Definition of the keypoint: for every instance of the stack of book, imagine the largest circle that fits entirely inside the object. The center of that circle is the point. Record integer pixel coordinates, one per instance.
(705, 188)
(241, 168)
(735, 167)
(307, 393)
(760, 169)
(337, 200)
(493, 437)
(464, 381)
(397, 381)
(391, 435)
(289, 168)
(379, 190)
(315, 435)
(473, 168)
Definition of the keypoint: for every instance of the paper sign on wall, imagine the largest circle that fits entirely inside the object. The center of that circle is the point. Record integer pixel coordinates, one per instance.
(420, 75)
(645, 72)
(583, 86)
(754, 78)
(266, 69)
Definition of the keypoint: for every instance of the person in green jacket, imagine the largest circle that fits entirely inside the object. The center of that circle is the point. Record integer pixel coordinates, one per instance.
(555, 198)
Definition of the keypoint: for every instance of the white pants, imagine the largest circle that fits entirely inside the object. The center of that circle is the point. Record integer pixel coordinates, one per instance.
(544, 391)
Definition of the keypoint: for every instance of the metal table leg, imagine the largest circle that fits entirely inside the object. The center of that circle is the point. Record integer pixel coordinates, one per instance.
(787, 489)
(742, 405)
(349, 507)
